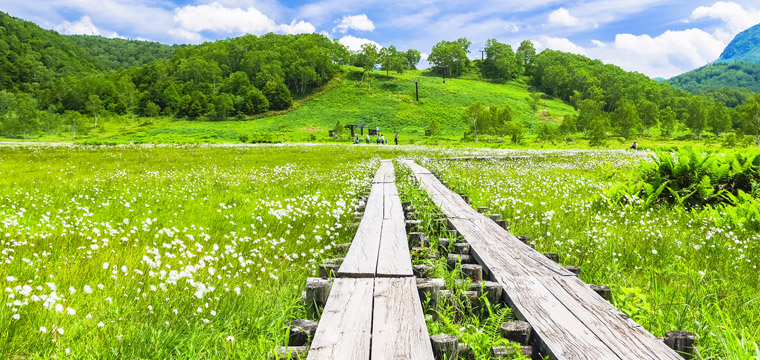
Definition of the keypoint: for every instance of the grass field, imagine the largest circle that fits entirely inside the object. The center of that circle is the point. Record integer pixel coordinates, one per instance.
(201, 252)
(670, 268)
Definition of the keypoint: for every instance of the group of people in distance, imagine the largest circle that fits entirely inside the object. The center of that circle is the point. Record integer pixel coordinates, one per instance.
(380, 139)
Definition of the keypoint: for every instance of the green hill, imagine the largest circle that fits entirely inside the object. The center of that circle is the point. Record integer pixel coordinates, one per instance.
(737, 69)
(120, 53)
(390, 104)
(32, 55)
(742, 74)
(744, 47)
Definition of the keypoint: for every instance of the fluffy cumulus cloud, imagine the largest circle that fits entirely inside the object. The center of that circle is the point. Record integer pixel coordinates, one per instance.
(354, 22)
(562, 17)
(192, 20)
(667, 54)
(83, 27)
(355, 43)
(734, 17)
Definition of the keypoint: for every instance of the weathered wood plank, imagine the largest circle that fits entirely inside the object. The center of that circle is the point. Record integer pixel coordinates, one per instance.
(398, 329)
(559, 330)
(393, 259)
(361, 258)
(571, 321)
(345, 327)
(385, 173)
(622, 334)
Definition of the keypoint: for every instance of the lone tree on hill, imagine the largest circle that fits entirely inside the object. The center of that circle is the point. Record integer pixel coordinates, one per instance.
(750, 117)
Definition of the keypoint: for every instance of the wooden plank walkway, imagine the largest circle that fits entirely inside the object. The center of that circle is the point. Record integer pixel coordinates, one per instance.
(374, 310)
(569, 318)
(380, 247)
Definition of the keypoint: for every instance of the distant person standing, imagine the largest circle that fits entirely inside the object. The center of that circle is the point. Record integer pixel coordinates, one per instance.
(635, 145)
(382, 139)
(367, 139)
(396, 139)
(377, 141)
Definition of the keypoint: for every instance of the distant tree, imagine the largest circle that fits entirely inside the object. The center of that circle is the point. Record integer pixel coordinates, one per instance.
(597, 129)
(626, 120)
(525, 53)
(750, 117)
(474, 115)
(223, 105)
(502, 121)
(667, 121)
(392, 60)
(649, 114)
(413, 58)
(152, 110)
(76, 123)
(569, 125)
(254, 102)
(500, 62)
(533, 101)
(450, 55)
(545, 132)
(719, 119)
(434, 127)
(368, 58)
(696, 115)
(338, 128)
(278, 95)
(94, 107)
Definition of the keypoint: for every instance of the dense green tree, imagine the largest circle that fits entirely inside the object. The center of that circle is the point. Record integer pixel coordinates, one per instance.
(254, 102)
(718, 119)
(392, 60)
(667, 121)
(368, 58)
(597, 129)
(435, 127)
(223, 106)
(649, 114)
(750, 117)
(533, 101)
(476, 118)
(696, 115)
(525, 53)
(278, 95)
(450, 55)
(500, 62)
(626, 120)
(94, 107)
(569, 125)
(413, 58)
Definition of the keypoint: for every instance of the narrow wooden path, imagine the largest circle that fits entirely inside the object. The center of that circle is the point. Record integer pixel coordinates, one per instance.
(374, 310)
(570, 320)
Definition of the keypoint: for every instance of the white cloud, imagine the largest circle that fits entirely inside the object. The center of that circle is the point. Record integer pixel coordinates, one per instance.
(300, 27)
(355, 22)
(560, 44)
(735, 18)
(217, 18)
(355, 43)
(82, 27)
(562, 17)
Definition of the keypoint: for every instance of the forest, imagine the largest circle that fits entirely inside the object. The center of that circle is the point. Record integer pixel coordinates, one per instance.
(49, 81)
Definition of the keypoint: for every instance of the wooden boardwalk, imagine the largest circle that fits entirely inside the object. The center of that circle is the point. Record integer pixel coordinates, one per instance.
(570, 320)
(374, 310)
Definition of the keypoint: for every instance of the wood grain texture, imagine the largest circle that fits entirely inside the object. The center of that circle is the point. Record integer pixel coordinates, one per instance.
(570, 320)
(345, 327)
(385, 173)
(361, 258)
(398, 329)
(393, 258)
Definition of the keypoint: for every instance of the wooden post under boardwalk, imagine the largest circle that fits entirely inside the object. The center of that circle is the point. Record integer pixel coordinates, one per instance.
(682, 342)
(445, 346)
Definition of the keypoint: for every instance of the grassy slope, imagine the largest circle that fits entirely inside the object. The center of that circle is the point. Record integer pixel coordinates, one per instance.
(390, 105)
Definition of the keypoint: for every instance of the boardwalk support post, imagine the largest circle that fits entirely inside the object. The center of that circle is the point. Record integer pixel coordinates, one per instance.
(517, 331)
(289, 352)
(317, 292)
(603, 291)
(301, 332)
(445, 346)
(573, 269)
(682, 342)
(472, 271)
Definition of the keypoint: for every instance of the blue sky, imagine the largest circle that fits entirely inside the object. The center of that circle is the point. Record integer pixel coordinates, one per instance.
(655, 37)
